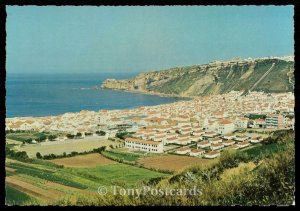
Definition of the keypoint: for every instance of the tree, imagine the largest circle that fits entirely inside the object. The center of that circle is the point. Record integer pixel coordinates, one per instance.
(52, 137)
(70, 136)
(101, 133)
(38, 155)
(42, 137)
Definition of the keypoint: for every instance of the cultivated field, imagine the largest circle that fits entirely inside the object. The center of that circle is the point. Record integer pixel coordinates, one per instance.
(173, 162)
(46, 183)
(68, 146)
(83, 161)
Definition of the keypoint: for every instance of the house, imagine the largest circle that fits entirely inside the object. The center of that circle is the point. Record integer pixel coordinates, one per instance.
(197, 152)
(225, 126)
(203, 144)
(243, 144)
(183, 123)
(27, 125)
(241, 123)
(209, 134)
(216, 146)
(144, 145)
(170, 140)
(198, 132)
(215, 140)
(229, 136)
(159, 138)
(196, 138)
(241, 138)
(259, 123)
(186, 131)
(212, 154)
(184, 141)
(228, 142)
(255, 140)
(171, 135)
(183, 150)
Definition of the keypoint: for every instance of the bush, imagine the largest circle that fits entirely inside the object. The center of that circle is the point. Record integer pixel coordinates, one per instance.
(52, 137)
(123, 135)
(70, 136)
(101, 133)
(38, 155)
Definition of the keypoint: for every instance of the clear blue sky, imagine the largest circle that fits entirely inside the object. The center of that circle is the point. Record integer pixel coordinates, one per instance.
(137, 39)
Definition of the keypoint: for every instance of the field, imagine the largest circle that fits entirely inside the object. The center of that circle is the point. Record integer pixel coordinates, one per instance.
(47, 182)
(68, 146)
(173, 162)
(23, 136)
(15, 197)
(11, 141)
(122, 154)
(83, 161)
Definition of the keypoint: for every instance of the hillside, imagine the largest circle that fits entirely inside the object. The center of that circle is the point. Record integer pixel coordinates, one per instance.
(261, 74)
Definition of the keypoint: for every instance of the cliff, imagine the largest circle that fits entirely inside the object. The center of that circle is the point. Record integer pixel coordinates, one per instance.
(261, 74)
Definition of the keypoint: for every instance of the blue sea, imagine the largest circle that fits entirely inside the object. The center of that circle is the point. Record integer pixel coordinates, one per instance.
(54, 94)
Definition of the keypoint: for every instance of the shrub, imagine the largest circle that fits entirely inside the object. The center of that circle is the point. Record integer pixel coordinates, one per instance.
(38, 155)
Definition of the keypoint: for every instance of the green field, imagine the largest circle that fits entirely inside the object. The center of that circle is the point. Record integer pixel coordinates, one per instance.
(131, 157)
(23, 136)
(15, 197)
(43, 176)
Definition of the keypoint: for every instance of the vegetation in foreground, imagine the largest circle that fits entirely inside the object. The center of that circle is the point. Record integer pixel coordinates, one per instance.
(271, 181)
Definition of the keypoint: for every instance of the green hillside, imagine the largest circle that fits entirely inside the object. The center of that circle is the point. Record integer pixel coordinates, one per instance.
(268, 75)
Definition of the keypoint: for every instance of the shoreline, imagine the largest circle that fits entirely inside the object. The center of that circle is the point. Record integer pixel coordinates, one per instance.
(128, 91)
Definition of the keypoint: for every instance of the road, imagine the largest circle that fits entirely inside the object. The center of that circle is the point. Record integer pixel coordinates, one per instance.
(263, 76)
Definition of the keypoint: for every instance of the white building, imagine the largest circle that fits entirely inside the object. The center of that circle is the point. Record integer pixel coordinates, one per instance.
(215, 140)
(255, 140)
(229, 136)
(241, 138)
(225, 126)
(241, 123)
(228, 142)
(203, 144)
(216, 146)
(144, 145)
(197, 152)
(243, 144)
(212, 154)
(183, 151)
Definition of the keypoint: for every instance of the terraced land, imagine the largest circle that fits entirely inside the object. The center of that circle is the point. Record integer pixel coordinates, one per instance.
(47, 182)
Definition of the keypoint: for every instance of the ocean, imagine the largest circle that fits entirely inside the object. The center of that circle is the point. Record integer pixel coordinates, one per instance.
(54, 94)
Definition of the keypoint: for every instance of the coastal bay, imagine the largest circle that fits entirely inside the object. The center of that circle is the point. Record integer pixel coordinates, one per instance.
(55, 94)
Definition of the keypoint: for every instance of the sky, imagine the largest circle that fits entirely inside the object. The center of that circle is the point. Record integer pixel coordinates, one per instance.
(89, 39)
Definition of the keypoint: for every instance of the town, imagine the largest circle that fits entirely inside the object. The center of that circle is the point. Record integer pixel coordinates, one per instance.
(200, 127)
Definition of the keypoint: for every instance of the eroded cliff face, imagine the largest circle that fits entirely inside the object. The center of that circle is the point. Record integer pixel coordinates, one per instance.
(273, 75)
